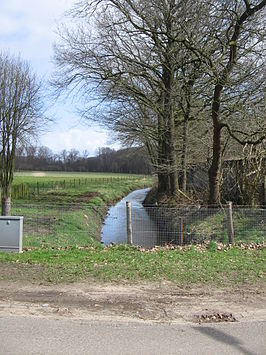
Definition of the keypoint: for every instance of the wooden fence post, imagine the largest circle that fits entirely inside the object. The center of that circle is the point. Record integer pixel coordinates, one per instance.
(230, 223)
(264, 191)
(129, 223)
(181, 230)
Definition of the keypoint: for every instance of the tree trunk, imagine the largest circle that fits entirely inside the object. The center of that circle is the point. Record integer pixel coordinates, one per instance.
(162, 163)
(184, 158)
(173, 176)
(215, 168)
(163, 182)
(6, 206)
(167, 172)
(164, 185)
(169, 136)
(168, 76)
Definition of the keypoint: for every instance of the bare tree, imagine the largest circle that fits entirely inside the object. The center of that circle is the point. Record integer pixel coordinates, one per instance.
(132, 57)
(237, 33)
(21, 115)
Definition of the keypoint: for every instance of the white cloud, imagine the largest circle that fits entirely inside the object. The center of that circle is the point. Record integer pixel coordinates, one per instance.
(28, 27)
(89, 139)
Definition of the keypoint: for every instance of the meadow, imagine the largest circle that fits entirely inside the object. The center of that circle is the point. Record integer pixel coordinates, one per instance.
(73, 187)
(67, 209)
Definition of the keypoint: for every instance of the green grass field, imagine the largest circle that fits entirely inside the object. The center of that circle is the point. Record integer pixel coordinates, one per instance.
(65, 209)
(66, 174)
(52, 187)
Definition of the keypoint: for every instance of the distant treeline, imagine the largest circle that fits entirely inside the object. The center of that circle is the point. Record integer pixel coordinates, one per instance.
(129, 160)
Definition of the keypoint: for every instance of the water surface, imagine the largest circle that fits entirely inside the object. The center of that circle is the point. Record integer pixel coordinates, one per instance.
(144, 230)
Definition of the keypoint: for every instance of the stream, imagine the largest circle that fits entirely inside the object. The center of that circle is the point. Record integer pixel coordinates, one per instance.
(144, 230)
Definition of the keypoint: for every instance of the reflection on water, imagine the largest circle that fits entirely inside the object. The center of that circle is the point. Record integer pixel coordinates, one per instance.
(144, 230)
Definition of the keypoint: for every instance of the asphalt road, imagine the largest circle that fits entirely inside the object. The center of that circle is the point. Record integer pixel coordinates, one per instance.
(37, 335)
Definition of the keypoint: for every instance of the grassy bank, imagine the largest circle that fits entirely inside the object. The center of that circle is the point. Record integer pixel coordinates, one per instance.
(185, 267)
(68, 209)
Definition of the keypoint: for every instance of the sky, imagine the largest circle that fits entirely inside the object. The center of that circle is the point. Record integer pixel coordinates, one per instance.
(28, 28)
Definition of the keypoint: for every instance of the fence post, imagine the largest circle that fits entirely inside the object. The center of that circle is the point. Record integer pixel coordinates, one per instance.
(264, 191)
(223, 223)
(230, 223)
(129, 223)
(180, 230)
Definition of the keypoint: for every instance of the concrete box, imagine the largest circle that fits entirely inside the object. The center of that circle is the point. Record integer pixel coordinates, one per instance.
(11, 228)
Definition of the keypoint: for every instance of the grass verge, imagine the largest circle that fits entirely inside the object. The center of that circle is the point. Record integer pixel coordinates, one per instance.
(184, 267)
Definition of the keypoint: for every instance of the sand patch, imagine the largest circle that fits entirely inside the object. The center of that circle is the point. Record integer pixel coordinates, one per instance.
(38, 174)
(149, 302)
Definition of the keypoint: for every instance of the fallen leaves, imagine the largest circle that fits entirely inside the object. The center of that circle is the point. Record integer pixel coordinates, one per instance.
(215, 317)
(205, 246)
(198, 247)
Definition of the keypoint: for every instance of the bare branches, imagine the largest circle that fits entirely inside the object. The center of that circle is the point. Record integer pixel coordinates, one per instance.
(21, 115)
(161, 69)
(248, 140)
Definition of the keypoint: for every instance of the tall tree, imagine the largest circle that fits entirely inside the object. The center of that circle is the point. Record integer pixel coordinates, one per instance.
(132, 58)
(236, 32)
(21, 115)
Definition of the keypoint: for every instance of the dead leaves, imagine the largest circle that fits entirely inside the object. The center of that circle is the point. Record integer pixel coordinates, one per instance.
(215, 317)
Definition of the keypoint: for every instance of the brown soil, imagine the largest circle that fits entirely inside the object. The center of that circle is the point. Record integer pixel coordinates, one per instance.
(180, 199)
(86, 197)
(152, 302)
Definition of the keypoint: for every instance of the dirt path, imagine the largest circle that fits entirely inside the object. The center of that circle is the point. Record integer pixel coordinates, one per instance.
(161, 302)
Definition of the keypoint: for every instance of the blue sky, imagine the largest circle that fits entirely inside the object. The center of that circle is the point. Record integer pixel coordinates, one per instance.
(28, 28)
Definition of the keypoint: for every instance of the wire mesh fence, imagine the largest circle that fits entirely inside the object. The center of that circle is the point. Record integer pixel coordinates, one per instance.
(164, 225)
(59, 225)
(199, 224)
(31, 190)
(66, 225)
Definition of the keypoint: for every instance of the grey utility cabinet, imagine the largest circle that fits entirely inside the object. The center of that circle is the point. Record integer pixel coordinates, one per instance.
(11, 228)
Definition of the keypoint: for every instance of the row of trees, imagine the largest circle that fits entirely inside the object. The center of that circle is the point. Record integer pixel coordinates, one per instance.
(183, 78)
(130, 160)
